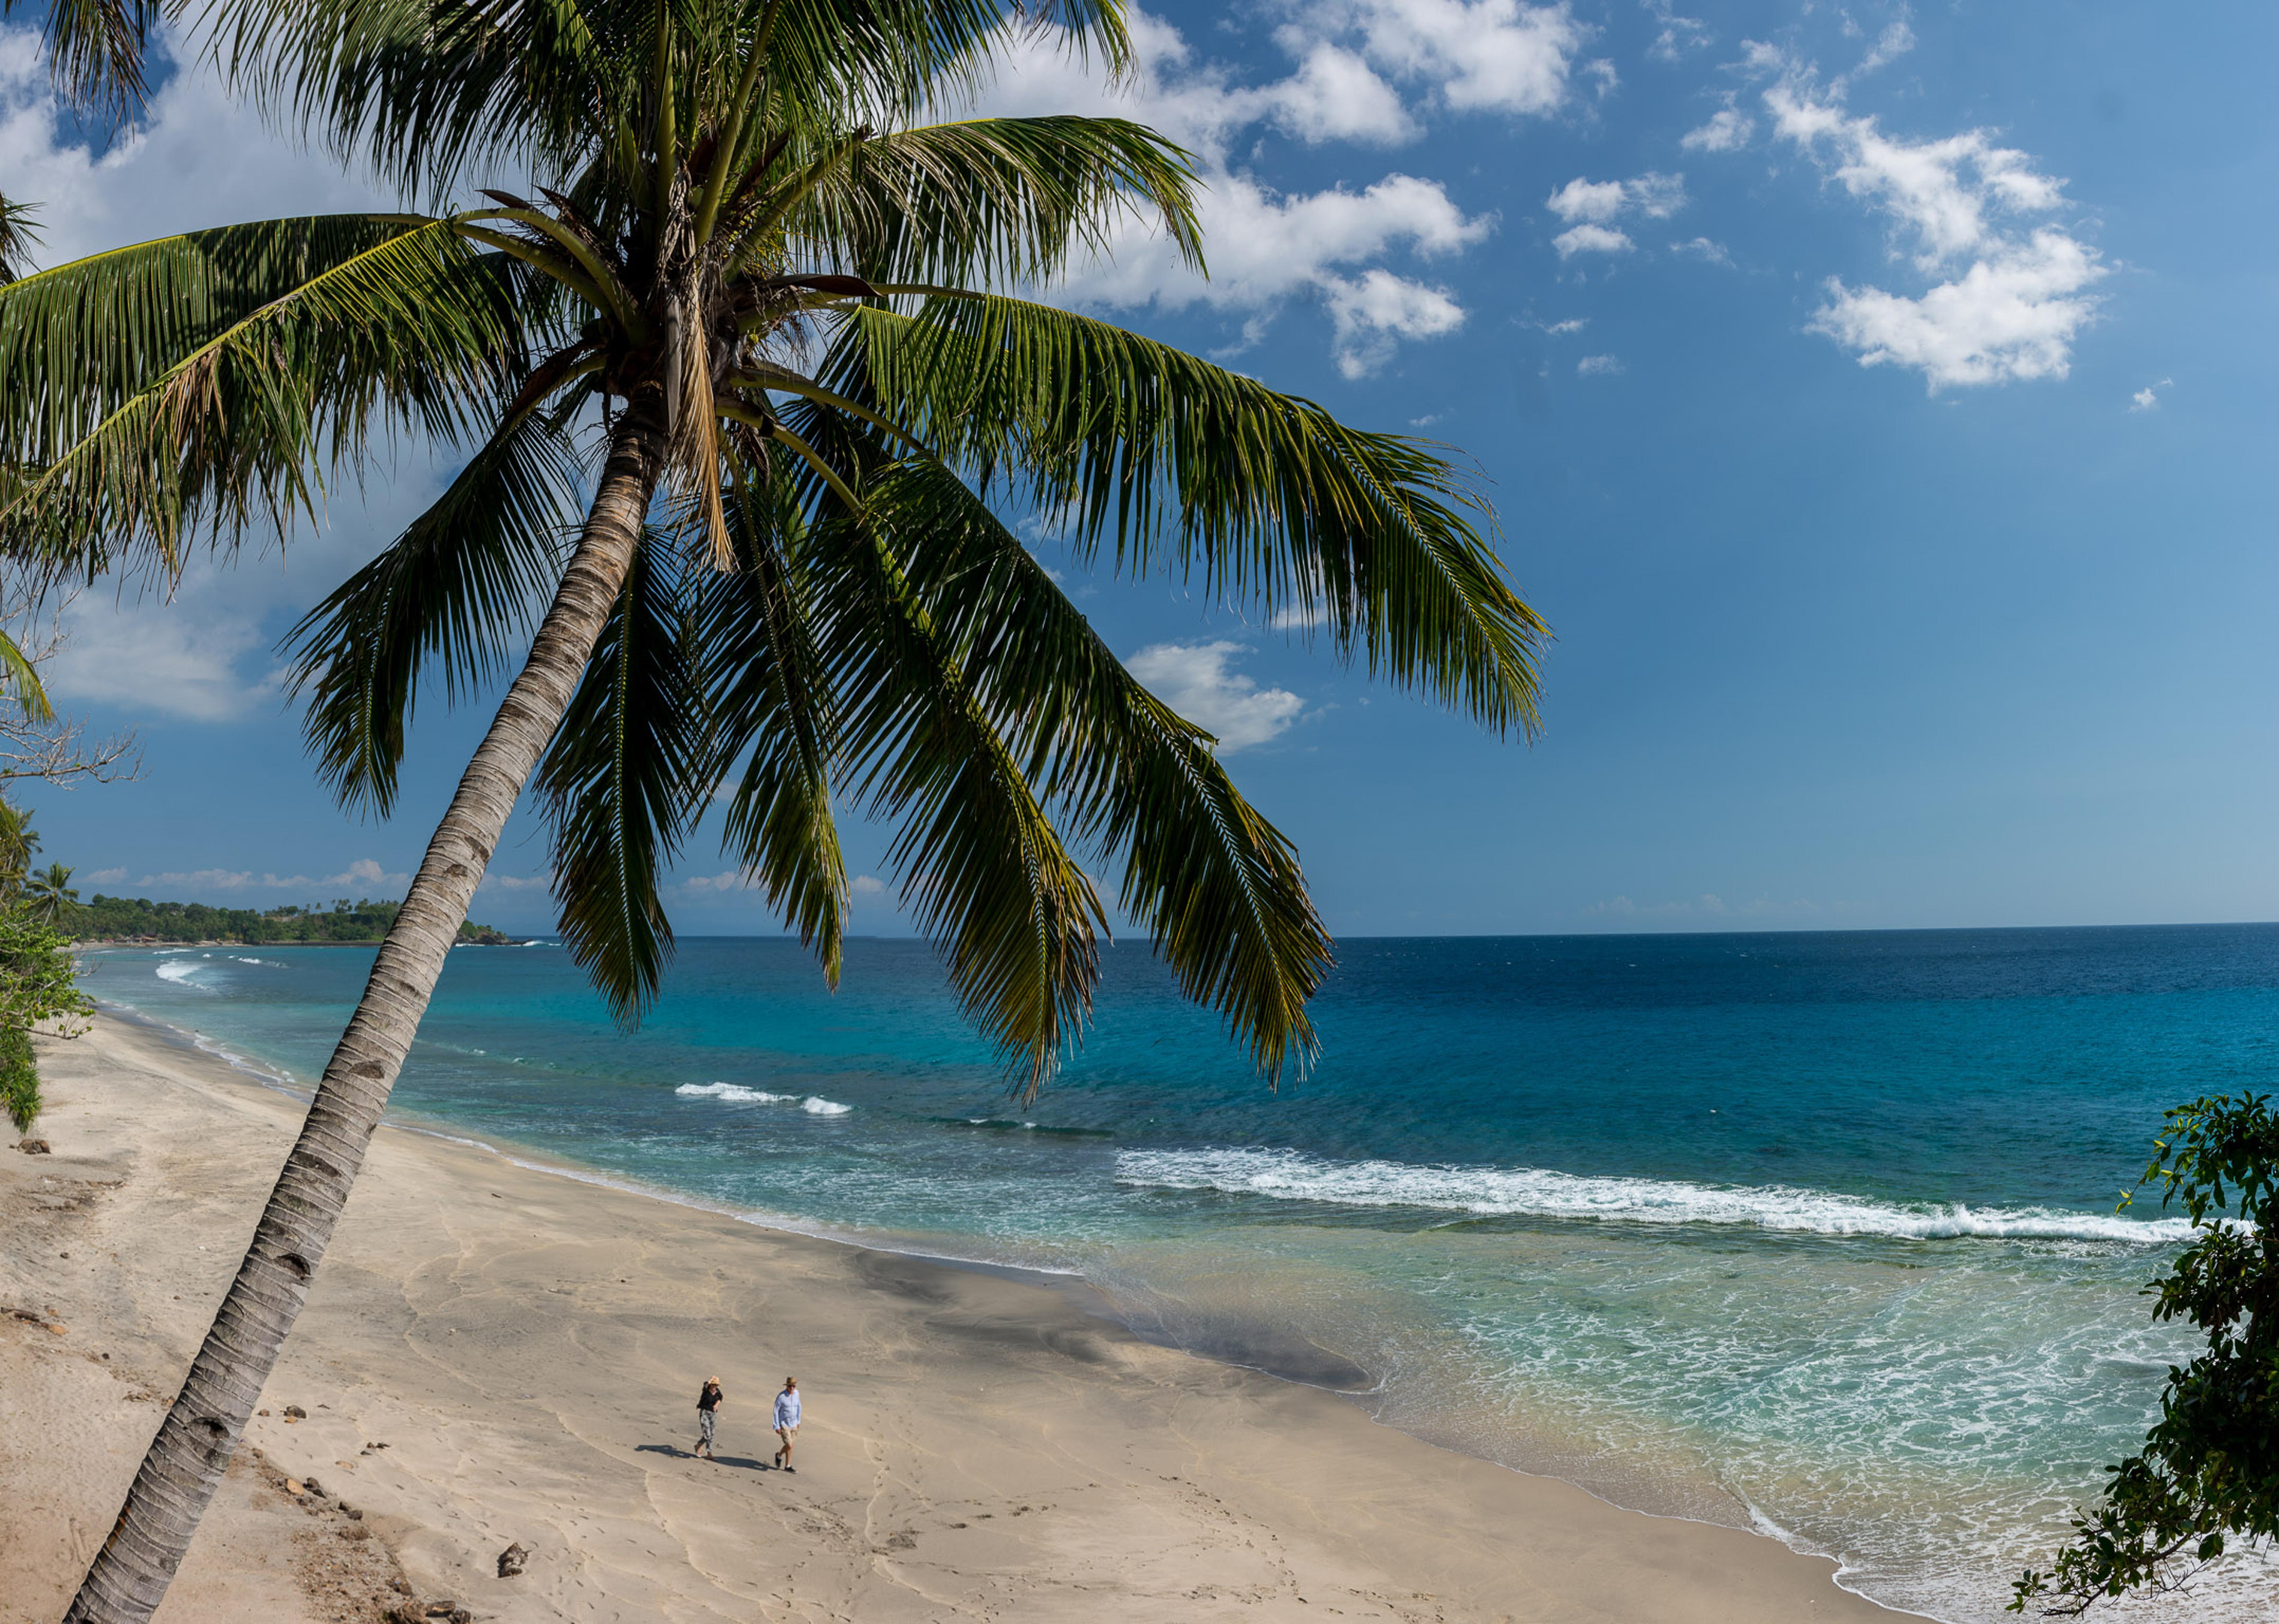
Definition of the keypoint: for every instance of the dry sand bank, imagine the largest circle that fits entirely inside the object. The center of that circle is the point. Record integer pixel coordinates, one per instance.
(529, 1349)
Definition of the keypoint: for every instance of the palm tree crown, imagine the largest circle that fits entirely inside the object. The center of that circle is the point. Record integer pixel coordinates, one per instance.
(789, 296)
(775, 570)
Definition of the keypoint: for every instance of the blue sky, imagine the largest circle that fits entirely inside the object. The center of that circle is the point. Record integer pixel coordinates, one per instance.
(1877, 400)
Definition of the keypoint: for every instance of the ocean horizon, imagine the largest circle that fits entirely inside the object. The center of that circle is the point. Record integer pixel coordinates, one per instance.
(1811, 1232)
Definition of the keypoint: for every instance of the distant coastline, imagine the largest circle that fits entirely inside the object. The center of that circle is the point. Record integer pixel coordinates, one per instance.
(137, 922)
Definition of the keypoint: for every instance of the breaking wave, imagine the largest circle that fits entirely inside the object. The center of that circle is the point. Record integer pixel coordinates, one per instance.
(1292, 1175)
(814, 1104)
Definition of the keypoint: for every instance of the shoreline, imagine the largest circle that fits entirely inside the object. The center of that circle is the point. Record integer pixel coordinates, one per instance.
(1153, 1459)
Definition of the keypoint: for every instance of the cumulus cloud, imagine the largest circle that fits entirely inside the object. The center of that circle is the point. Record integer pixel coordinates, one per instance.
(1269, 248)
(2148, 397)
(2012, 295)
(1655, 196)
(1728, 128)
(1198, 680)
(1679, 35)
(1598, 366)
(1591, 208)
(867, 886)
(1485, 54)
(1587, 239)
(1703, 248)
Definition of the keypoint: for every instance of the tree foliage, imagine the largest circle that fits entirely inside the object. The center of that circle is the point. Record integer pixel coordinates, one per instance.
(749, 217)
(2207, 1479)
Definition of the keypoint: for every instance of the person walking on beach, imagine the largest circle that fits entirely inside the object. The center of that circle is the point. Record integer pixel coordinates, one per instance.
(707, 1414)
(787, 1422)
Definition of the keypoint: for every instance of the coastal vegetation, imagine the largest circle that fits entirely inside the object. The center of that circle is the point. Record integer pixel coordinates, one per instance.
(136, 919)
(2208, 1475)
(39, 980)
(741, 364)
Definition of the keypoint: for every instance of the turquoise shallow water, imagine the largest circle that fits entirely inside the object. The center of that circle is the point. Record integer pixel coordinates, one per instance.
(1814, 1232)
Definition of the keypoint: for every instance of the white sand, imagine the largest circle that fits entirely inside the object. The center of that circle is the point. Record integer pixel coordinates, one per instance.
(529, 1348)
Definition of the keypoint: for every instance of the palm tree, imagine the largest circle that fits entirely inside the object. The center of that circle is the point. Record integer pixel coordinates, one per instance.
(791, 302)
(50, 895)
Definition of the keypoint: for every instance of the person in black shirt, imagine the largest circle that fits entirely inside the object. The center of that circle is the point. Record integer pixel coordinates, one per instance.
(708, 1411)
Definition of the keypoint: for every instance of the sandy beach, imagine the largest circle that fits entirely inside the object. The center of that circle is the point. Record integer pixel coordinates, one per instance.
(494, 1354)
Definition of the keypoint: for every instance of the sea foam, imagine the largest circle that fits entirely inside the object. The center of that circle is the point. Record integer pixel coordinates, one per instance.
(814, 1104)
(1292, 1175)
(177, 970)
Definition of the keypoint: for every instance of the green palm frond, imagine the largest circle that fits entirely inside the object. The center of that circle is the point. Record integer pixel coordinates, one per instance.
(456, 588)
(771, 709)
(614, 782)
(997, 201)
(95, 53)
(17, 238)
(155, 422)
(1218, 887)
(17, 672)
(1273, 503)
(983, 870)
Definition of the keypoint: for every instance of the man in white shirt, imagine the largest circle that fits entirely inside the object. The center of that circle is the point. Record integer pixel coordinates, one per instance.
(787, 1422)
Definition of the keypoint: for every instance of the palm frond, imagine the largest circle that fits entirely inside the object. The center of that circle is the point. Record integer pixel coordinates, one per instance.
(17, 238)
(769, 700)
(95, 53)
(1276, 507)
(293, 345)
(458, 587)
(615, 780)
(1217, 887)
(17, 672)
(983, 870)
(997, 201)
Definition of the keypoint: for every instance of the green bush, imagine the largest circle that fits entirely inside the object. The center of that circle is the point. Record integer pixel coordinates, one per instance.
(19, 1077)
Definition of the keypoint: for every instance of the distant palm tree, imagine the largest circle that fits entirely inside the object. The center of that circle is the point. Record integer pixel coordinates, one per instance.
(792, 301)
(50, 896)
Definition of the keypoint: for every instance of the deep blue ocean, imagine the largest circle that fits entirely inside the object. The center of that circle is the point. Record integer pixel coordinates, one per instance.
(1810, 1232)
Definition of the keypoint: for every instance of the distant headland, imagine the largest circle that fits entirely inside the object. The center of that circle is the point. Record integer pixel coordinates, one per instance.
(342, 923)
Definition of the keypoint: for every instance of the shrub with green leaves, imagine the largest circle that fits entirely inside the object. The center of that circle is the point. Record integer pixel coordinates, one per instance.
(2207, 1479)
(39, 984)
(19, 1078)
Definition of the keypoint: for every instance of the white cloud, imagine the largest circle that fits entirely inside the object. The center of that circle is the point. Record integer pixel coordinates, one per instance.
(1726, 130)
(363, 877)
(2009, 317)
(1593, 206)
(1573, 324)
(1678, 35)
(202, 158)
(1372, 311)
(1268, 248)
(1591, 240)
(493, 880)
(867, 886)
(2012, 298)
(1895, 42)
(2148, 397)
(1598, 366)
(1336, 95)
(1703, 248)
(1496, 54)
(1196, 679)
(1654, 196)
(102, 877)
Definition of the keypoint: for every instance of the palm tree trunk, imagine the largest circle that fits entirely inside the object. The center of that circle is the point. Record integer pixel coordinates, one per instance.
(129, 1575)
